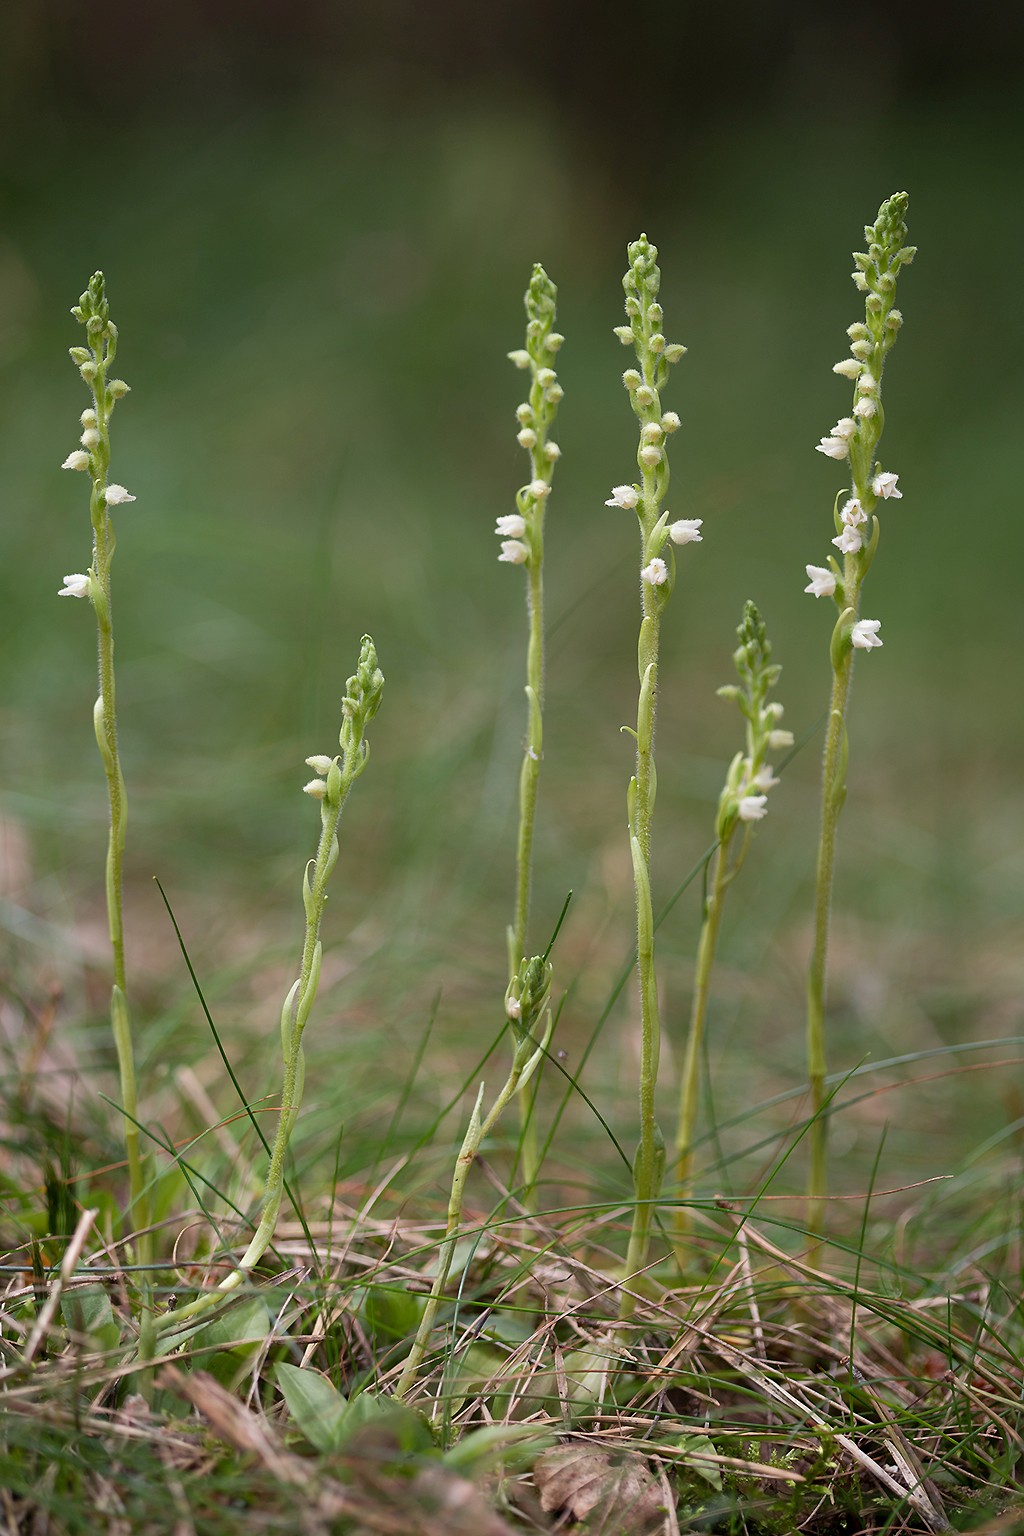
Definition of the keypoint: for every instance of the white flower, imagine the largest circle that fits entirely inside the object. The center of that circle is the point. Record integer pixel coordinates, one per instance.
(753, 807)
(867, 385)
(823, 581)
(520, 358)
(623, 496)
(774, 711)
(624, 333)
(88, 418)
(864, 408)
(764, 778)
(849, 541)
(320, 763)
(80, 460)
(779, 739)
(552, 451)
(514, 551)
(884, 485)
(853, 513)
(546, 377)
(655, 573)
(844, 427)
(511, 526)
(850, 368)
(317, 788)
(527, 438)
(89, 438)
(538, 489)
(686, 530)
(116, 495)
(833, 447)
(645, 395)
(865, 634)
(75, 585)
(649, 456)
(670, 422)
(514, 1008)
(653, 432)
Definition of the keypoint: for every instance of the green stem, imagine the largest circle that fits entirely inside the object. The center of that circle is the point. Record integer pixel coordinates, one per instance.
(833, 793)
(528, 780)
(649, 1163)
(721, 880)
(297, 1009)
(105, 723)
(524, 1062)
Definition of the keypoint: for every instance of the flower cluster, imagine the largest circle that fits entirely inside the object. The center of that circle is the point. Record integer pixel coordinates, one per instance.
(745, 795)
(654, 354)
(521, 532)
(855, 437)
(93, 457)
(363, 692)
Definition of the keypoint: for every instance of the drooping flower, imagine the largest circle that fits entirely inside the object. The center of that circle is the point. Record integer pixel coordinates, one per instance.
(656, 573)
(884, 485)
(865, 634)
(116, 495)
(624, 496)
(75, 585)
(514, 551)
(686, 530)
(77, 460)
(849, 541)
(511, 526)
(823, 581)
(752, 807)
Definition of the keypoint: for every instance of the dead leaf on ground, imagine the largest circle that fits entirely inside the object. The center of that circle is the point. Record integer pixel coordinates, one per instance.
(613, 1492)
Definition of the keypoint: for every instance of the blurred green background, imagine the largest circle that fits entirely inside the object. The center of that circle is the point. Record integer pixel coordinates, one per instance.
(317, 222)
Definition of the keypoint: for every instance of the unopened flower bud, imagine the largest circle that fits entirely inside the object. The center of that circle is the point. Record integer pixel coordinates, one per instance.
(657, 342)
(862, 350)
(652, 432)
(860, 282)
(79, 355)
(670, 422)
(555, 341)
(526, 438)
(779, 739)
(88, 418)
(88, 372)
(524, 414)
(552, 451)
(520, 358)
(539, 489)
(117, 388)
(631, 378)
(849, 367)
(116, 496)
(89, 438)
(546, 377)
(320, 763)
(645, 395)
(858, 331)
(554, 394)
(625, 334)
(894, 319)
(650, 456)
(77, 460)
(316, 788)
(874, 304)
(674, 351)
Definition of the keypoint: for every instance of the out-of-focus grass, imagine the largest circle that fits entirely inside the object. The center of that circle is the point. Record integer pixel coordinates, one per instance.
(314, 317)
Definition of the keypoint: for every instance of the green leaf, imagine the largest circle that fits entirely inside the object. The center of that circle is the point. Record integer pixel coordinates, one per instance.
(392, 1313)
(86, 1309)
(317, 1407)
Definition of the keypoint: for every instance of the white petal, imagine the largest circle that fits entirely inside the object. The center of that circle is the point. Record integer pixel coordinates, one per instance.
(623, 496)
(75, 585)
(833, 447)
(865, 634)
(686, 530)
(753, 807)
(656, 573)
(511, 526)
(116, 495)
(823, 581)
(514, 551)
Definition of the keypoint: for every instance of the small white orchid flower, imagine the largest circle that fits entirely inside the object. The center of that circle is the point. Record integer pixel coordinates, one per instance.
(89, 438)
(514, 551)
(624, 496)
(764, 778)
(520, 358)
(316, 788)
(656, 573)
(116, 496)
(833, 447)
(514, 1008)
(75, 585)
(850, 368)
(844, 427)
(320, 763)
(77, 460)
(686, 530)
(526, 438)
(865, 408)
(823, 581)
(779, 739)
(752, 807)
(511, 526)
(884, 485)
(865, 634)
(538, 489)
(853, 513)
(649, 456)
(849, 541)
